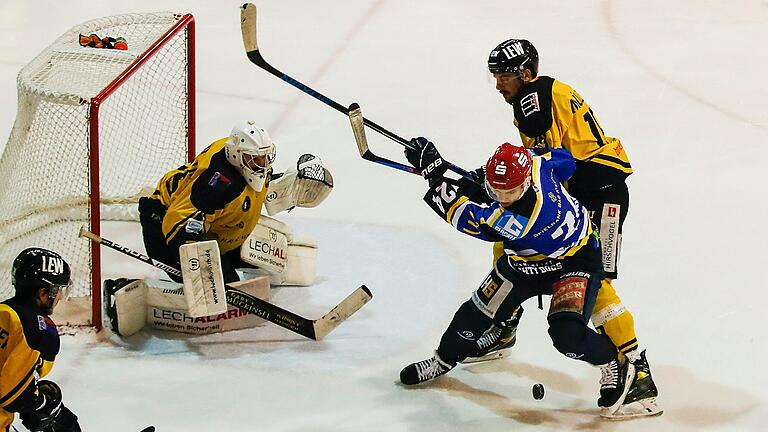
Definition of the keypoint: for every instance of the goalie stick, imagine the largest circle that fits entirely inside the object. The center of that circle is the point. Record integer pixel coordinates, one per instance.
(248, 28)
(312, 329)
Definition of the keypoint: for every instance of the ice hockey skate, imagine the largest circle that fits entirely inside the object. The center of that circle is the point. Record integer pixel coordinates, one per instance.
(617, 377)
(425, 370)
(641, 397)
(505, 338)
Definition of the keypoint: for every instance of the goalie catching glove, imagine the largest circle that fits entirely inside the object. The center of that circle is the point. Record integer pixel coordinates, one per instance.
(306, 186)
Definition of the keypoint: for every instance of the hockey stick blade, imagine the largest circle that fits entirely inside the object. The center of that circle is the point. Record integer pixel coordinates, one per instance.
(256, 306)
(148, 429)
(356, 120)
(356, 300)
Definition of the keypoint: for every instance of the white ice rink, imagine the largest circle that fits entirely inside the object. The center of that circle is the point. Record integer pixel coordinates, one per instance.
(682, 83)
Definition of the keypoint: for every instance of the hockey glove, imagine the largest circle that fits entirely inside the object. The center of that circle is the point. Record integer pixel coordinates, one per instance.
(52, 415)
(475, 189)
(423, 155)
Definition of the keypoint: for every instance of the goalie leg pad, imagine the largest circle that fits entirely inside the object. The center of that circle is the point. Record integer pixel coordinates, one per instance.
(166, 309)
(203, 278)
(287, 258)
(126, 305)
(267, 246)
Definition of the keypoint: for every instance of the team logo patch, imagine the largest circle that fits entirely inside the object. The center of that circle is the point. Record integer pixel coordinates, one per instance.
(46, 324)
(501, 168)
(466, 334)
(618, 149)
(194, 226)
(530, 104)
(246, 204)
(219, 178)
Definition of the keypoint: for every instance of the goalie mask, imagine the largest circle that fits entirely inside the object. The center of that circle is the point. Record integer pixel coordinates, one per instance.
(508, 173)
(36, 268)
(251, 151)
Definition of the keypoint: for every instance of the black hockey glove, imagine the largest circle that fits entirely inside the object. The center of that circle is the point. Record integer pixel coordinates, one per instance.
(423, 155)
(52, 415)
(475, 189)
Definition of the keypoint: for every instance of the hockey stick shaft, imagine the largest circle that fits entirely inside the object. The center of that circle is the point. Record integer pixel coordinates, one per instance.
(249, 303)
(248, 28)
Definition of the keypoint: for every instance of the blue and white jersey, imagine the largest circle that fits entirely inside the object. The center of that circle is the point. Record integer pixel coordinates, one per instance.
(546, 222)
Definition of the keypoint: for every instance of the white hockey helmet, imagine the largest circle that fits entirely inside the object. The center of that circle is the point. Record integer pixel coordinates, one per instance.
(250, 149)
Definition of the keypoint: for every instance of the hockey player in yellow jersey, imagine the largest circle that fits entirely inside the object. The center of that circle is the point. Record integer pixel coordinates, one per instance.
(29, 343)
(219, 196)
(551, 114)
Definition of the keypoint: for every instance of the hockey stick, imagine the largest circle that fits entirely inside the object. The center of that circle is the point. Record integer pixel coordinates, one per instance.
(312, 329)
(248, 28)
(356, 121)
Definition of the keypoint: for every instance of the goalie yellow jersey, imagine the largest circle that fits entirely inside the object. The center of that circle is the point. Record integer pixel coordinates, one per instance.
(549, 113)
(208, 199)
(29, 343)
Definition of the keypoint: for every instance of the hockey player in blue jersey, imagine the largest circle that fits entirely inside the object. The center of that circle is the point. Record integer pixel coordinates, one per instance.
(551, 249)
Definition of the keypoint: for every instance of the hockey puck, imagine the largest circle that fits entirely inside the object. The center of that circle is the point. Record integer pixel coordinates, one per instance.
(538, 391)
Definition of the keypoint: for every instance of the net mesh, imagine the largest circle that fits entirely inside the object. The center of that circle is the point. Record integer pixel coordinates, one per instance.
(142, 128)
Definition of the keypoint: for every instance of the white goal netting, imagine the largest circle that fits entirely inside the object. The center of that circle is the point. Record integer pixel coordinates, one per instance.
(94, 124)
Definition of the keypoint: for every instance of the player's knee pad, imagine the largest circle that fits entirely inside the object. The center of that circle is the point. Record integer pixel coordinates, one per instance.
(568, 333)
(460, 339)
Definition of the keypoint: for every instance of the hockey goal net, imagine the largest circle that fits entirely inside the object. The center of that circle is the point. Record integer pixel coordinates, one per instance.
(94, 128)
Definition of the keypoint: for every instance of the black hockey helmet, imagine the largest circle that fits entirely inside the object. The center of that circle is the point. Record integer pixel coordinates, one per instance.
(514, 55)
(36, 268)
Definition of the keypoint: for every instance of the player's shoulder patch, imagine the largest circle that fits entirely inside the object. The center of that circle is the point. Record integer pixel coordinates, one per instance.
(533, 107)
(40, 332)
(218, 185)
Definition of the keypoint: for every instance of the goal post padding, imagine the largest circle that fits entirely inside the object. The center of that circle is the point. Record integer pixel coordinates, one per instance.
(94, 128)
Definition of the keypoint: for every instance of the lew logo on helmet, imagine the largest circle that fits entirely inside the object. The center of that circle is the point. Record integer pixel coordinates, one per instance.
(513, 50)
(52, 265)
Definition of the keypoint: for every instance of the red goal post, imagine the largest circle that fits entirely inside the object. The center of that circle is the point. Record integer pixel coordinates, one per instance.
(94, 128)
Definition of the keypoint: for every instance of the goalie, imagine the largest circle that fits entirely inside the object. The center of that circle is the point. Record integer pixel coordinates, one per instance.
(219, 196)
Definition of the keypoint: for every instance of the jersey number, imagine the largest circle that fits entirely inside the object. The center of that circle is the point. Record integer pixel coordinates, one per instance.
(3, 338)
(568, 226)
(446, 196)
(594, 126)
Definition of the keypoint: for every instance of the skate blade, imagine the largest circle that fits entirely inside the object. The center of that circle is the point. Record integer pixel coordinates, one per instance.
(642, 408)
(496, 355)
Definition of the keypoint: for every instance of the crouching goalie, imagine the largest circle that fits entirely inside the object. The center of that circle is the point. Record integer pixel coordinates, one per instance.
(219, 197)
(205, 219)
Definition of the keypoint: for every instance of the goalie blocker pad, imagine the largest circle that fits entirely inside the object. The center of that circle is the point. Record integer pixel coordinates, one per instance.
(160, 304)
(287, 258)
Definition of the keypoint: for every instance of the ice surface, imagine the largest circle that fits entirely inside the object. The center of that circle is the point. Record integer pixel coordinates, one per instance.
(681, 83)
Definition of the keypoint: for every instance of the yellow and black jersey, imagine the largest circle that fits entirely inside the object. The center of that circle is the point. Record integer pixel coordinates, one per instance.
(29, 343)
(208, 199)
(549, 113)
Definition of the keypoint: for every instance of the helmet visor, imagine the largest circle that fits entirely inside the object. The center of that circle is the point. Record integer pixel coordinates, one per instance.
(56, 292)
(506, 197)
